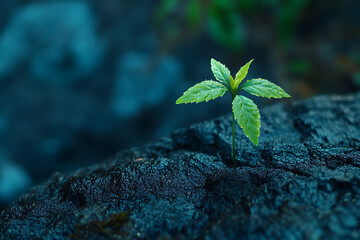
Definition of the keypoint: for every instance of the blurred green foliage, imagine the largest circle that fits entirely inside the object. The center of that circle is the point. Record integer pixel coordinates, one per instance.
(224, 20)
(299, 66)
(225, 24)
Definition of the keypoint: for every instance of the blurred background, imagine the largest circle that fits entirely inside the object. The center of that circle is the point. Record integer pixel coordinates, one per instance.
(80, 80)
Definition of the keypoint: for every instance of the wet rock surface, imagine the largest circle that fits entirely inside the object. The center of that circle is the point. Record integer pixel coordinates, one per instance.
(301, 182)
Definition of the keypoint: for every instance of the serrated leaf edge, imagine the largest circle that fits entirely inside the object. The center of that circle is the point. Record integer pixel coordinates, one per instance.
(225, 89)
(214, 64)
(258, 134)
(238, 78)
(286, 95)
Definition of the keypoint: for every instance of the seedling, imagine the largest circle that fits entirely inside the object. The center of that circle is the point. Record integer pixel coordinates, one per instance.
(244, 109)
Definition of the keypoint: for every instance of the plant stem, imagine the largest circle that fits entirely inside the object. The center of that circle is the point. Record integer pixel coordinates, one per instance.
(233, 135)
(233, 140)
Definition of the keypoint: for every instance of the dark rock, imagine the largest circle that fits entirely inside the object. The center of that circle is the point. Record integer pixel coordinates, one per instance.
(301, 182)
(64, 66)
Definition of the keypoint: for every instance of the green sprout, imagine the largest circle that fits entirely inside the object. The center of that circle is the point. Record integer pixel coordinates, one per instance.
(244, 109)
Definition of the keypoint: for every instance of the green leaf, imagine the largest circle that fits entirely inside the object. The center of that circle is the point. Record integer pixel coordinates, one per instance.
(203, 91)
(241, 74)
(248, 117)
(263, 88)
(232, 83)
(220, 72)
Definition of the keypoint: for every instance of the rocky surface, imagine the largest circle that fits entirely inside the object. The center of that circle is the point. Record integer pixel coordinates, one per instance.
(301, 182)
(78, 78)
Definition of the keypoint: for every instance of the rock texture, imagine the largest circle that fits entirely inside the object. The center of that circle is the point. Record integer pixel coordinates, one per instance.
(301, 182)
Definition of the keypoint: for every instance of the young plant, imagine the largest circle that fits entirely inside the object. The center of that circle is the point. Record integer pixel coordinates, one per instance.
(245, 111)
